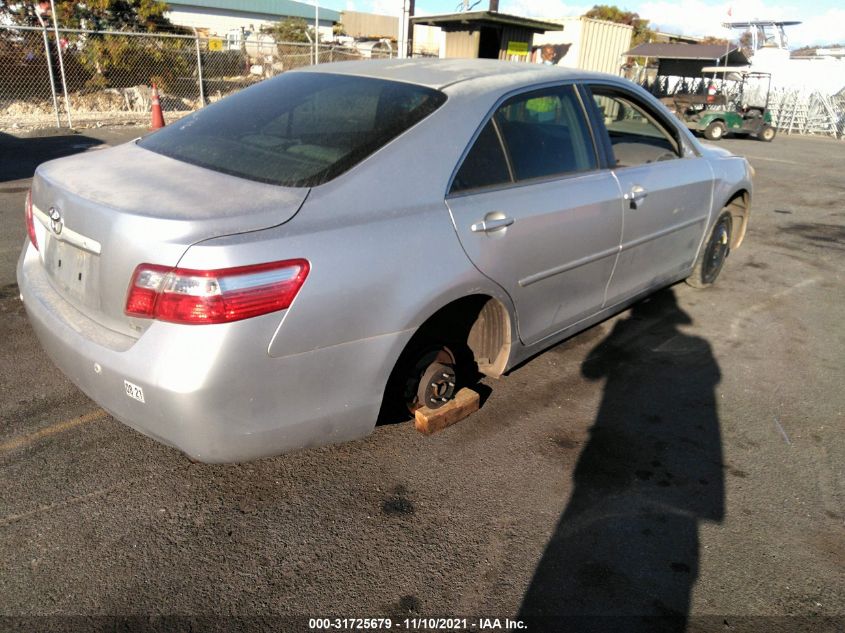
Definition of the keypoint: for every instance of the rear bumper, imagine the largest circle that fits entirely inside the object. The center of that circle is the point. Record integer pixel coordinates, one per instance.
(213, 391)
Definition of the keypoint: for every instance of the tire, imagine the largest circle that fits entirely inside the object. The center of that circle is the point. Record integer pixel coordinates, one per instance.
(766, 133)
(713, 254)
(715, 131)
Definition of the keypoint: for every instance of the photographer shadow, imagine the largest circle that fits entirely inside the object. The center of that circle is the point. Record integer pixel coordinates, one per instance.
(624, 555)
(19, 156)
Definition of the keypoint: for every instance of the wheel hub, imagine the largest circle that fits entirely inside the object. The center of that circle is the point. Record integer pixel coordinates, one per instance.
(437, 385)
(431, 381)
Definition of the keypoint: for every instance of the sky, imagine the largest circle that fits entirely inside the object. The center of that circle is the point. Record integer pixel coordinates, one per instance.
(823, 20)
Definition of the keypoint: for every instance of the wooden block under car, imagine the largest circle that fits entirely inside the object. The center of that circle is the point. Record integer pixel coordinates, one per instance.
(429, 421)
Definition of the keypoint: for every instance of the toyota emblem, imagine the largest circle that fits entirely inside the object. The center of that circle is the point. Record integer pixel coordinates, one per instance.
(56, 223)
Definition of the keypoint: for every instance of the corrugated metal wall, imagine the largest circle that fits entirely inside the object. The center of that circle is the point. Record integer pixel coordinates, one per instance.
(358, 24)
(465, 44)
(602, 45)
(462, 44)
(596, 44)
(515, 34)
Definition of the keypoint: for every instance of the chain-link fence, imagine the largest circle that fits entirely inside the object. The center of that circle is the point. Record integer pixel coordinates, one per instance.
(89, 77)
(25, 85)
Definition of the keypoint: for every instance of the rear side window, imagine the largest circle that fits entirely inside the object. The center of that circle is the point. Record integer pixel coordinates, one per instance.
(300, 129)
(546, 134)
(485, 165)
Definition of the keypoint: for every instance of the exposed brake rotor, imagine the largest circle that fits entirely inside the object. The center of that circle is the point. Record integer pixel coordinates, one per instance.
(432, 380)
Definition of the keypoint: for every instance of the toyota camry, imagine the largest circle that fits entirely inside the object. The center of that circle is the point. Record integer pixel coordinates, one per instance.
(357, 240)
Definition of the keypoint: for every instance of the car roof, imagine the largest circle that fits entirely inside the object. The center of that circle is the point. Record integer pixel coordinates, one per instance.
(440, 73)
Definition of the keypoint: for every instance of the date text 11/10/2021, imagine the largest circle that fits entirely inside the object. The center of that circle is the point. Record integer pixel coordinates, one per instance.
(417, 624)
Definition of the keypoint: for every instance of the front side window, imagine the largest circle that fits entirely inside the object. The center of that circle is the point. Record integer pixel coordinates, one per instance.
(300, 129)
(636, 135)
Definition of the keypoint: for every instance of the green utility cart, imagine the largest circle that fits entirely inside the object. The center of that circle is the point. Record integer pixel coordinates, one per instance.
(738, 105)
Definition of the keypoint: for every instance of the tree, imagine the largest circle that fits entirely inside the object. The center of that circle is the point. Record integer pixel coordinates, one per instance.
(96, 60)
(745, 41)
(111, 15)
(711, 39)
(612, 13)
(292, 30)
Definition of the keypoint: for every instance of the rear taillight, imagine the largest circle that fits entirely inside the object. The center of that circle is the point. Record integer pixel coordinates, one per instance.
(30, 222)
(181, 295)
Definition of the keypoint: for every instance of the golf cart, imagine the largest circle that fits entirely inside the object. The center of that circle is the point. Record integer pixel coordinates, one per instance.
(740, 105)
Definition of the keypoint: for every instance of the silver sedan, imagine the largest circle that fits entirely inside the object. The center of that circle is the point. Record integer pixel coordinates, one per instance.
(356, 240)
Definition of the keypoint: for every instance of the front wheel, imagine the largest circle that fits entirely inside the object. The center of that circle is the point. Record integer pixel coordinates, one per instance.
(766, 133)
(715, 131)
(713, 254)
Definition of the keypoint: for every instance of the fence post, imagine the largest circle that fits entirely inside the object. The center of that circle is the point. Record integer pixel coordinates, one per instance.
(61, 62)
(316, 32)
(50, 70)
(199, 68)
(310, 48)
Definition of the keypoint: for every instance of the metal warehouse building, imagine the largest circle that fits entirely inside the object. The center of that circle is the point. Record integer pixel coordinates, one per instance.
(218, 17)
(595, 45)
(487, 34)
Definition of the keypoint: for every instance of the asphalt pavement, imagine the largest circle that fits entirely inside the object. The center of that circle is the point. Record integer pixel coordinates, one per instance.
(679, 467)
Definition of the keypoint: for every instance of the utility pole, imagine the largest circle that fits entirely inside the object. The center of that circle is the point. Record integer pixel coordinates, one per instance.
(402, 35)
(410, 28)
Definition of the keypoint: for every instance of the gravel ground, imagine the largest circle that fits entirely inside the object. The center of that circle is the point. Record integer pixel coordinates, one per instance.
(679, 467)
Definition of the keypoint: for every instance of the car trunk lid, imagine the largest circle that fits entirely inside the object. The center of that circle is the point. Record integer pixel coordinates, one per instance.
(107, 211)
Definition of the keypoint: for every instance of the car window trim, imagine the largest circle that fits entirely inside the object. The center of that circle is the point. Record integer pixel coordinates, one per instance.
(514, 182)
(504, 147)
(601, 140)
(531, 182)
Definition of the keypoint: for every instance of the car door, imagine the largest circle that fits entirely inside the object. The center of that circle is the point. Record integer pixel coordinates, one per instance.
(535, 213)
(667, 190)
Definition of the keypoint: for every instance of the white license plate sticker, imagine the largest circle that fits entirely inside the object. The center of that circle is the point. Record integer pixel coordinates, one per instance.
(133, 391)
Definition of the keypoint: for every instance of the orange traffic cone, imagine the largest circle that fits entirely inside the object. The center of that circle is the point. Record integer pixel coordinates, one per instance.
(158, 117)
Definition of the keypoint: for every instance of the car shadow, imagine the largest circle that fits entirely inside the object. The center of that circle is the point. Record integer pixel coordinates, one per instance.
(624, 555)
(20, 156)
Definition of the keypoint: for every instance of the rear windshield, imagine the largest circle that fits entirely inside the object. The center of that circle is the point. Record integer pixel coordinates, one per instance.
(300, 129)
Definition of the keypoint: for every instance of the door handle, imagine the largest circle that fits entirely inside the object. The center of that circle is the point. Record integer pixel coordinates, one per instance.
(491, 224)
(636, 195)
